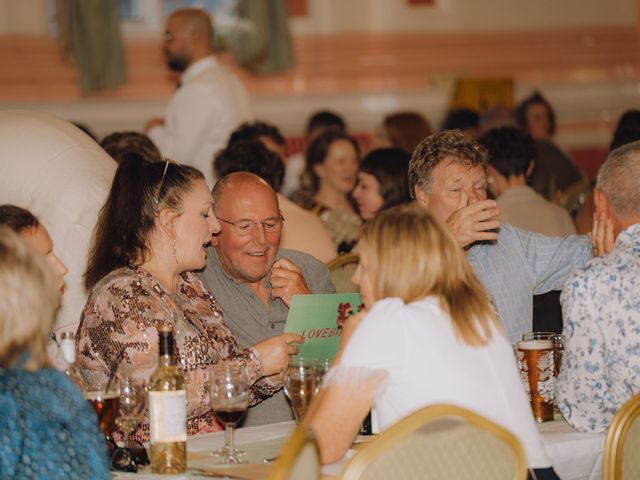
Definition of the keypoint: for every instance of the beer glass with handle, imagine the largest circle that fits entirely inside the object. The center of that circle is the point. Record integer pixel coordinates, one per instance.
(229, 393)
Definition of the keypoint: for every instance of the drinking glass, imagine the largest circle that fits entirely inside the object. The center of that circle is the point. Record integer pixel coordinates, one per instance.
(133, 395)
(558, 352)
(301, 384)
(535, 358)
(229, 393)
(103, 394)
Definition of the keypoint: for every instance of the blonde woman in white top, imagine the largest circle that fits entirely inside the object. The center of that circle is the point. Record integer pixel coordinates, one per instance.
(429, 336)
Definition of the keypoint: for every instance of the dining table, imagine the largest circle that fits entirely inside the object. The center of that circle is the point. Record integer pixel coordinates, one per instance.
(574, 455)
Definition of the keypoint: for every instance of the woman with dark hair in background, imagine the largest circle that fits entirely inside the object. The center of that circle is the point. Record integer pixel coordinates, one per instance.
(403, 130)
(332, 166)
(382, 181)
(36, 236)
(554, 171)
(152, 232)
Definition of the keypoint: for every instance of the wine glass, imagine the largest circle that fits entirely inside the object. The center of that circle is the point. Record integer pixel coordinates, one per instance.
(229, 393)
(133, 396)
(301, 383)
(102, 392)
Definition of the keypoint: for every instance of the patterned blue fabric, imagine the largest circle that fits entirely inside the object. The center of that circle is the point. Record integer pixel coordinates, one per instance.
(601, 308)
(47, 429)
(521, 264)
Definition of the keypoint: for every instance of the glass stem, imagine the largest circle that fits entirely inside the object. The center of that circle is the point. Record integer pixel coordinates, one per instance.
(127, 438)
(228, 436)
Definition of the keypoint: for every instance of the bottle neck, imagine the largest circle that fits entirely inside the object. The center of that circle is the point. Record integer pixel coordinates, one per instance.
(166, 361)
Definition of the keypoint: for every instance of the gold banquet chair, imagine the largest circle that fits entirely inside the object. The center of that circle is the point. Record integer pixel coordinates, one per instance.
(437, 442)
(342, 268)
(622, 446)
(299, 458)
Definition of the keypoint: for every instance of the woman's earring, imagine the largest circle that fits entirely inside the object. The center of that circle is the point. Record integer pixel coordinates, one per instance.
(175, 251)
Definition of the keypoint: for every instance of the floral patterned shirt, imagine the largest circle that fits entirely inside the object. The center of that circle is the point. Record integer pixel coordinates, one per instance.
(121, 317)
(601, 309)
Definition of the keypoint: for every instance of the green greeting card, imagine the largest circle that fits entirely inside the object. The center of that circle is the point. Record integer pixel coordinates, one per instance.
(319, 319)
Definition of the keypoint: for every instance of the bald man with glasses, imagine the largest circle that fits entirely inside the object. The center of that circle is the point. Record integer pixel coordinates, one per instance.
(253, 279)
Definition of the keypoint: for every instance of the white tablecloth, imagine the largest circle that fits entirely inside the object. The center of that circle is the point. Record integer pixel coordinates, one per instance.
(575, 456)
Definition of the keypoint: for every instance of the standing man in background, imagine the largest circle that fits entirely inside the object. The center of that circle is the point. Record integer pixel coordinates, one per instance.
(210, 101)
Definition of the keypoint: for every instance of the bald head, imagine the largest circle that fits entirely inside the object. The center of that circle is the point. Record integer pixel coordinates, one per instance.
(249, 215)
(194, 21)
(238, 184)
(188, 38)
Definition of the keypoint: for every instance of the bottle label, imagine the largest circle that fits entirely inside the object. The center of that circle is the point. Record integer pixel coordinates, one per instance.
(168, 416)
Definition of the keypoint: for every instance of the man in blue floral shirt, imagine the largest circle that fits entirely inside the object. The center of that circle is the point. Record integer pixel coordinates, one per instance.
(601, 306)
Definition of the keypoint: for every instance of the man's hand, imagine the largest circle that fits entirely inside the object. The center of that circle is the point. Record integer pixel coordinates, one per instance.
(602, 238)
(154, 122)
(286, 281)
(275, 352)
(469, 223)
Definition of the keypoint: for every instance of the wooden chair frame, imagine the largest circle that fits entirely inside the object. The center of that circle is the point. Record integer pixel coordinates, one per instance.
(373, 450)
(342, 260)
(300, 437)
(620, 424)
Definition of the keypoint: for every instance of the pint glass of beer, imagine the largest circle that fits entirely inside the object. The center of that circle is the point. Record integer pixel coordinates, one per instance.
(103, 396)
(535, 358)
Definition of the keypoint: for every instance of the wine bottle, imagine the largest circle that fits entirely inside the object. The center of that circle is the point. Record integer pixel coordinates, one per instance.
(167, 411)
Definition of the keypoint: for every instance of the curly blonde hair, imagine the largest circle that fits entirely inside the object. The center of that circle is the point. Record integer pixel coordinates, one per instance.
(447, 145)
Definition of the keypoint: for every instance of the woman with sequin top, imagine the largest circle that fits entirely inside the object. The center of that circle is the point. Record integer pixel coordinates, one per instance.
(152, 232)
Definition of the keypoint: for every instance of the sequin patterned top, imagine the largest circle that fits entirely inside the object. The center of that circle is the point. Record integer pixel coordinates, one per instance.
(47, 429)
(121, 317)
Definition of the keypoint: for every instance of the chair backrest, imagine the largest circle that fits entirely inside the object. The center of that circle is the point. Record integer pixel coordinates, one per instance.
(622, 446)
(440, 441)
(342, 268)
(299, 458)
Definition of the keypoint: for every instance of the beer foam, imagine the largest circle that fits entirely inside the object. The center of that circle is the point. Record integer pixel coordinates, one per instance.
(98, 395)
(542, 344)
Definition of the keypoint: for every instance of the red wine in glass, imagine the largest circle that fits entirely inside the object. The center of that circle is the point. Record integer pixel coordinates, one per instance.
(230, 417)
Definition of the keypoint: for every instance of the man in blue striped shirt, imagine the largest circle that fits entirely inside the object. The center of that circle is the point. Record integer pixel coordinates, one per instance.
(448, 175)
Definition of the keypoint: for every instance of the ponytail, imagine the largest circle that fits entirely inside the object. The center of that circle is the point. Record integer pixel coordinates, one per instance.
(128, 216)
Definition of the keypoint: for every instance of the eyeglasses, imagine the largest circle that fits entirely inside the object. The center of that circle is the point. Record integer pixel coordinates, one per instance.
(164, 174)
(245, 227)
(169, 36)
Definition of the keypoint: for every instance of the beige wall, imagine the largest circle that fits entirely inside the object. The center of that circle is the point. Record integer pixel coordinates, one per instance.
(360, 16)
(29, 17)
(367, 16)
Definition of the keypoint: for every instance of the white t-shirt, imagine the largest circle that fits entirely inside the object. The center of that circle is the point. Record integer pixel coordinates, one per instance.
(426, 364)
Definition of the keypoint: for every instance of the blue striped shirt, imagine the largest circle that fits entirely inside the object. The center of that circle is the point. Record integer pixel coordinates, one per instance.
(520, 264)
